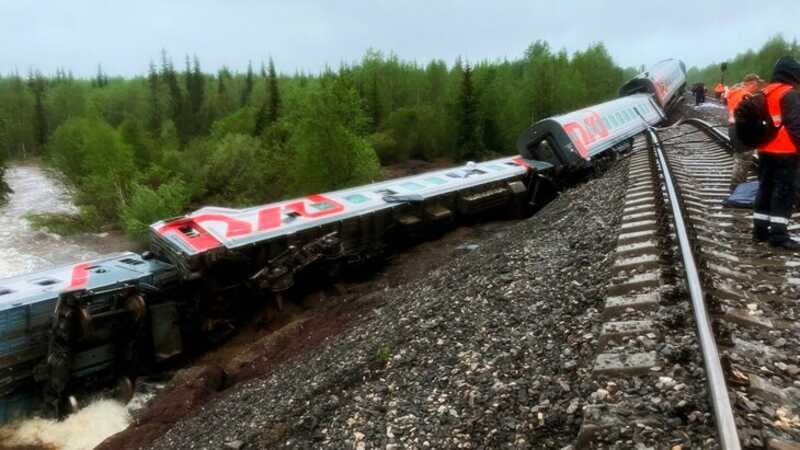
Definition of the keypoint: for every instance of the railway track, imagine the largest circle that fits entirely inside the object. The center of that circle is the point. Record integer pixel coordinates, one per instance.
(699, 334)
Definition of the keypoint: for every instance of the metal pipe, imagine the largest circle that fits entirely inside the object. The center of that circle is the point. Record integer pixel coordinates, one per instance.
(723, 414)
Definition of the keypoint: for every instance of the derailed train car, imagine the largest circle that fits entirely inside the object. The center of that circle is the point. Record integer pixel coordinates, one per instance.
(99, 322)
(665, 80)
(77, 321)
(572, 141)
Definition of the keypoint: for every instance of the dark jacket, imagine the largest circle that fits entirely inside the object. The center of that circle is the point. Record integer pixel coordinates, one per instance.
(787, 70)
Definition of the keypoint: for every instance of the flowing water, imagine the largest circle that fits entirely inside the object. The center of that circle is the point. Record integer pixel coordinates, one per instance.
(25, 249)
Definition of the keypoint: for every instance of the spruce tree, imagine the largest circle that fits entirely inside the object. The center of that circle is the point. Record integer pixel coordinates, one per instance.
(154, 124)
(196, 90)
(274, 94)
(101, 79)
(177, 106)
(469, 141)
(248, 85)
(37, 84)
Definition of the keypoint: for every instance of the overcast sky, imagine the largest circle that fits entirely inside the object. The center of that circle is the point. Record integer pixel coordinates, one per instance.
(308, 34)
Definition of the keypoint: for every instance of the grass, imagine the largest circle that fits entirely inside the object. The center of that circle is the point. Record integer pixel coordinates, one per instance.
(383, 354)
(63, 224)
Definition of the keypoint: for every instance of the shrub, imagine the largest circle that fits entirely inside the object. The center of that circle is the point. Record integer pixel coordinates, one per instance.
(147, 205)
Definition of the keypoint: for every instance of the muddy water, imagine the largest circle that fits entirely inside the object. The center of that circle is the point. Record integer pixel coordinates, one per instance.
(24, 249)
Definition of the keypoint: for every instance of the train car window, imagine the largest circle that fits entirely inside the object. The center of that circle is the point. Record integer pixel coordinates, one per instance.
(356, 198)
(475, 172)
(188, 231)
(96, 269)
(605, 122)
(619, 118)
(613, 120)
(291, 216)
(322, 206)
(543, 151)
(385, 192)
(436, 180)
(412, 186)
(455, 175)
(47, 282)
(131, 261)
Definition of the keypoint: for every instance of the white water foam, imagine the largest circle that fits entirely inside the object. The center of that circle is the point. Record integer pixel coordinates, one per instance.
(83, 430)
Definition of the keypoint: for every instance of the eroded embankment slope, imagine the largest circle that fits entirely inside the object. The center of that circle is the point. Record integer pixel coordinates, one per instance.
(489, 348)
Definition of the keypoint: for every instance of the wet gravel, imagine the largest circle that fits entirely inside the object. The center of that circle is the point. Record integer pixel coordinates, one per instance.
(491, 350)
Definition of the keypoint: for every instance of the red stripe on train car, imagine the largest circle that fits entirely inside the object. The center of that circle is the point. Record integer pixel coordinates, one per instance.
(520, 162)
(270, 218)
(80, 276)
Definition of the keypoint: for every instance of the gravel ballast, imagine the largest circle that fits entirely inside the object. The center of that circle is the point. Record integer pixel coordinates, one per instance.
(493, 349)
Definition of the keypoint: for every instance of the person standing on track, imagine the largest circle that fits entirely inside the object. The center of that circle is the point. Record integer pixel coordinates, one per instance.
(699, 91)
(778, 158)
(742, 154)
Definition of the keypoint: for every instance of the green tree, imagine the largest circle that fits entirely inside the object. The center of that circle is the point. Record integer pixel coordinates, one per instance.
(329, 139)
(97, 161)
(148, 205)
(470, 138)
(37, 84)
(16, 118)
(247, 91)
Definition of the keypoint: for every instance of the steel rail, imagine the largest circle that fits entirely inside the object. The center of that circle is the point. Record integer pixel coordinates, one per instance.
(723, 414)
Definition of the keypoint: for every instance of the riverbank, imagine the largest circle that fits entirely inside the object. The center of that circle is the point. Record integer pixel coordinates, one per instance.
(23, 247)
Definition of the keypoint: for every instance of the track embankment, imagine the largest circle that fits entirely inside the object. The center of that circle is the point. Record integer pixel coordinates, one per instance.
(491, 346)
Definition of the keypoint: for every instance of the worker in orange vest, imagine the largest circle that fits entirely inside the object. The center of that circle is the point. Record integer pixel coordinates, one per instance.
(719, 89)
(742, 154)
(777, 159)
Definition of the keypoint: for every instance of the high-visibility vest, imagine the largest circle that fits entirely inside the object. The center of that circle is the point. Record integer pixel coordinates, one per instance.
(735, 96)
(782, 143)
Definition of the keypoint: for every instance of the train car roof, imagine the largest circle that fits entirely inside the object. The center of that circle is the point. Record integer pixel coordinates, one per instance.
(662, 79)
(211, 227)
(594, 129)
(100, 273)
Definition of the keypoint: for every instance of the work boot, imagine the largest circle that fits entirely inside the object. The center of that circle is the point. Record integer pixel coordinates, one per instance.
(760, 233)
(786, 244)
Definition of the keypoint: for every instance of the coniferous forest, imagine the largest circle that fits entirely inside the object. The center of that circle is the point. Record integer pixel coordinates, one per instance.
(140, 149)
(759, 61)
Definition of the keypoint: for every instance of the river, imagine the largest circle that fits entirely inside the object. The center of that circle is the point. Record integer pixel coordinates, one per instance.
(25, 249)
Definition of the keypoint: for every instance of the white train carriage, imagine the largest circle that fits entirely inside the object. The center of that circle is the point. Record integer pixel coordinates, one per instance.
(665, 80)
(110, 290)
(570, 141)
(361, 217)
